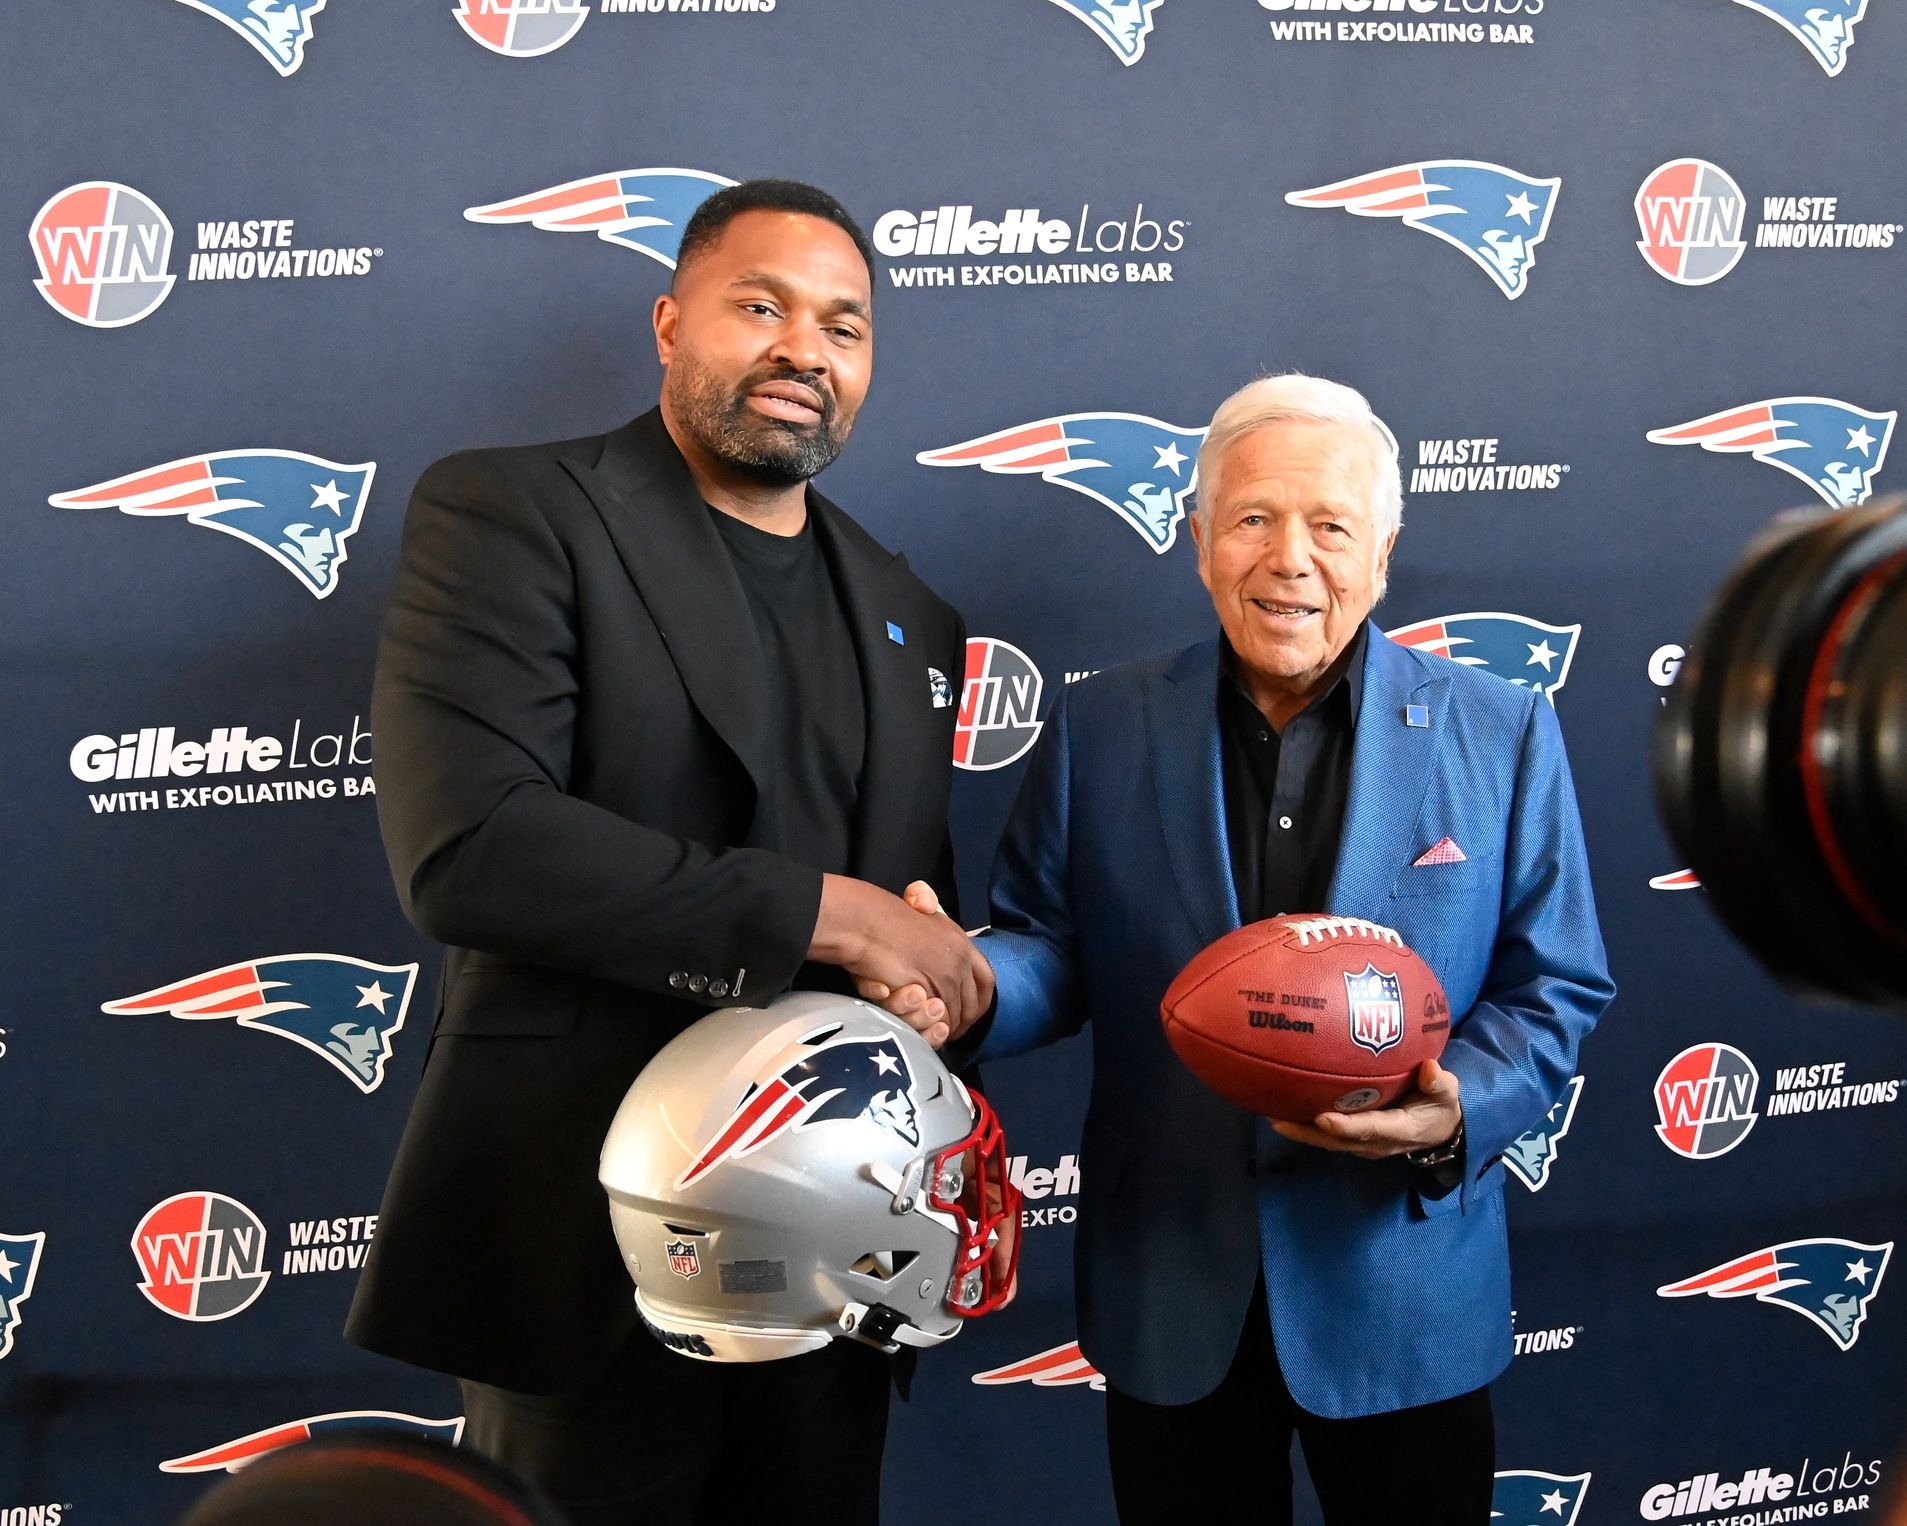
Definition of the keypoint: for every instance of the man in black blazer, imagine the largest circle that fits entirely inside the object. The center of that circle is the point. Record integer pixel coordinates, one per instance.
(660, 730)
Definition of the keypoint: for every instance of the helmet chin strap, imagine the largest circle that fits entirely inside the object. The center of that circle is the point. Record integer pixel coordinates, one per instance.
(881, 1326)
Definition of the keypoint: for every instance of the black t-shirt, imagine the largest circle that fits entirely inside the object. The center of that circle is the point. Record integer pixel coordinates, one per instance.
(817, 712)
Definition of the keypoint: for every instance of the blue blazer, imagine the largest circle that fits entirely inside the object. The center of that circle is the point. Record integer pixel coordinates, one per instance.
(1114, 871)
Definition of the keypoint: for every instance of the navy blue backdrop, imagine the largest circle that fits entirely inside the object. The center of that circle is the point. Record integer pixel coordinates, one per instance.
(1624, 277)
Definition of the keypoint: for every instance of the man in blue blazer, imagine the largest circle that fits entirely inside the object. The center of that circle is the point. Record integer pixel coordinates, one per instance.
(1348, 1280)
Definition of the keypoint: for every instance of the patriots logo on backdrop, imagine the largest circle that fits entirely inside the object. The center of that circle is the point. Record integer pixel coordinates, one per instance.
(279, 29)
(298, 509)
(1494, 215)
(1122, 25)
(1680, 879)
(521, 28)
(1525, 1497)
(1139, 467)
(19, 1265)
(340, 1008)
(1499, 643)
(1830, 1281)
(838, 1082)
(1826, 27)
(1530, 1155)
(1834, 447)
(234, 1455)
(644, 210)
(1377, 1009)
(1061, 1367)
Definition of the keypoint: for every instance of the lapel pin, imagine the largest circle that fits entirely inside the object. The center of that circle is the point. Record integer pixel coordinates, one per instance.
(895, 634)
(1416, 715)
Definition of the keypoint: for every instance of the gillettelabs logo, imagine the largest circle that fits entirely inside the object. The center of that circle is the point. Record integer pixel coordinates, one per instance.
(296, 508)
(1410, 25)
(1828, 1282)
(344, 1010)
(201, 1256)
(1496, 216)
(278, 29)
(1139, 467)
(521, 28)
(1122, 25)
(230, 1456)
(999, 718)
(645, 210)
(1026, 233)
(1824, 27)
(1834, 447)
(1499, 643)
(19, 1265)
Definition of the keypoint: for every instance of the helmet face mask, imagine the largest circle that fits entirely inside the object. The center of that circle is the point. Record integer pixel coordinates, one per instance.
(782, 1176)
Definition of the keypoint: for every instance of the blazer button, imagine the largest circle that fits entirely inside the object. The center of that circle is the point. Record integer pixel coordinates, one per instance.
(718, 988)
(678, 979)
(698, 983)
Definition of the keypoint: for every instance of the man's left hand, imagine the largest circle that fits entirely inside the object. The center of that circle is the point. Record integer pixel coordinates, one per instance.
(1420, 1120)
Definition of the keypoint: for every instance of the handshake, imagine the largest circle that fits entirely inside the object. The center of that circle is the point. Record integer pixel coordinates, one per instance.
(905, 955)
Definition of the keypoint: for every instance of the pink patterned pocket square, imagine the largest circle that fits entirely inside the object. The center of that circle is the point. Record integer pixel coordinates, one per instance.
(1446, 852)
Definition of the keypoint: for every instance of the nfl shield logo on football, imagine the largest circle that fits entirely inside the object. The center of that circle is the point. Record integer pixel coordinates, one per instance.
(1377, 1009)
(682, 1258)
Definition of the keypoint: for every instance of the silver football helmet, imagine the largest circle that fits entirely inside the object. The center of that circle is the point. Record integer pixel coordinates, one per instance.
(785, 1175)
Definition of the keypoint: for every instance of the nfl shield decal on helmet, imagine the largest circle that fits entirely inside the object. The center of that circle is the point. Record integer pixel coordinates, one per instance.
(683, 1260)
(1377, 1009)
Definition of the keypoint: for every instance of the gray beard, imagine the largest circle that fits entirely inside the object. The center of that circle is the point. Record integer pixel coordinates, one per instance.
(766, 450)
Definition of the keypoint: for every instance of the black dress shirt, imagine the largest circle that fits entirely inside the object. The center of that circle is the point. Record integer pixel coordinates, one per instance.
(1285, 794)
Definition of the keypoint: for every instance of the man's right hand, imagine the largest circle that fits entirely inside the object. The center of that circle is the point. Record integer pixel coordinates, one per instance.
(944, 984)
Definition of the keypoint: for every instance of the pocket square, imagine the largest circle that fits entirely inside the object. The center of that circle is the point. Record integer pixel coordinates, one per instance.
(1445, 852)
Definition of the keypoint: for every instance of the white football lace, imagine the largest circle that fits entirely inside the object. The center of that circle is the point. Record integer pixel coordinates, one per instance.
(1322, 928)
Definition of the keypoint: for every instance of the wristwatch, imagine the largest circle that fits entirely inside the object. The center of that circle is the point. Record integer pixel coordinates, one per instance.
(1438, 1155)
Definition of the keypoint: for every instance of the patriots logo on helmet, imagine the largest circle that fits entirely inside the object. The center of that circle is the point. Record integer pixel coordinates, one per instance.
(1825, 26)
(1831, 1282)
(835, 1083)
(1499, 643)
(19, 1265)
(1834, 447)
(1494, 215)
(1122, 25)
(298, 509)
(1530, 1155)
(644, 210)
(234, 1455)
(336, 1007)
(1139, 467)
(1525, 1497)
(279, 29)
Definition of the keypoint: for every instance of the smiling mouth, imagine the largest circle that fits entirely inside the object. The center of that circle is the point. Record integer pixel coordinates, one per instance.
(1284, 612)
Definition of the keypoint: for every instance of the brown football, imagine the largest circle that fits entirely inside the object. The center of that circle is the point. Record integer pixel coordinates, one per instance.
(1307, 1014)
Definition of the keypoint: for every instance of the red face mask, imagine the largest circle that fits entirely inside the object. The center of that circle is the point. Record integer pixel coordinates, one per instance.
(970, 1181)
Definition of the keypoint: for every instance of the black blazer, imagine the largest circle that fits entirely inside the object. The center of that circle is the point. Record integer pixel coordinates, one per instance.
(569, 737)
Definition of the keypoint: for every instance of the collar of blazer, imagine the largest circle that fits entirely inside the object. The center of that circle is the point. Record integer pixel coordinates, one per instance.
(1390, 770)
(675, 556)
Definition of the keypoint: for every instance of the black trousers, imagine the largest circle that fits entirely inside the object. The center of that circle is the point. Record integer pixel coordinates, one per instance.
(1430, 1466)
(661, 1439)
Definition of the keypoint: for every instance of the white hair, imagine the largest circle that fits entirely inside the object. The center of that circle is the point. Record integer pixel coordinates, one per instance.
(1294, 396)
